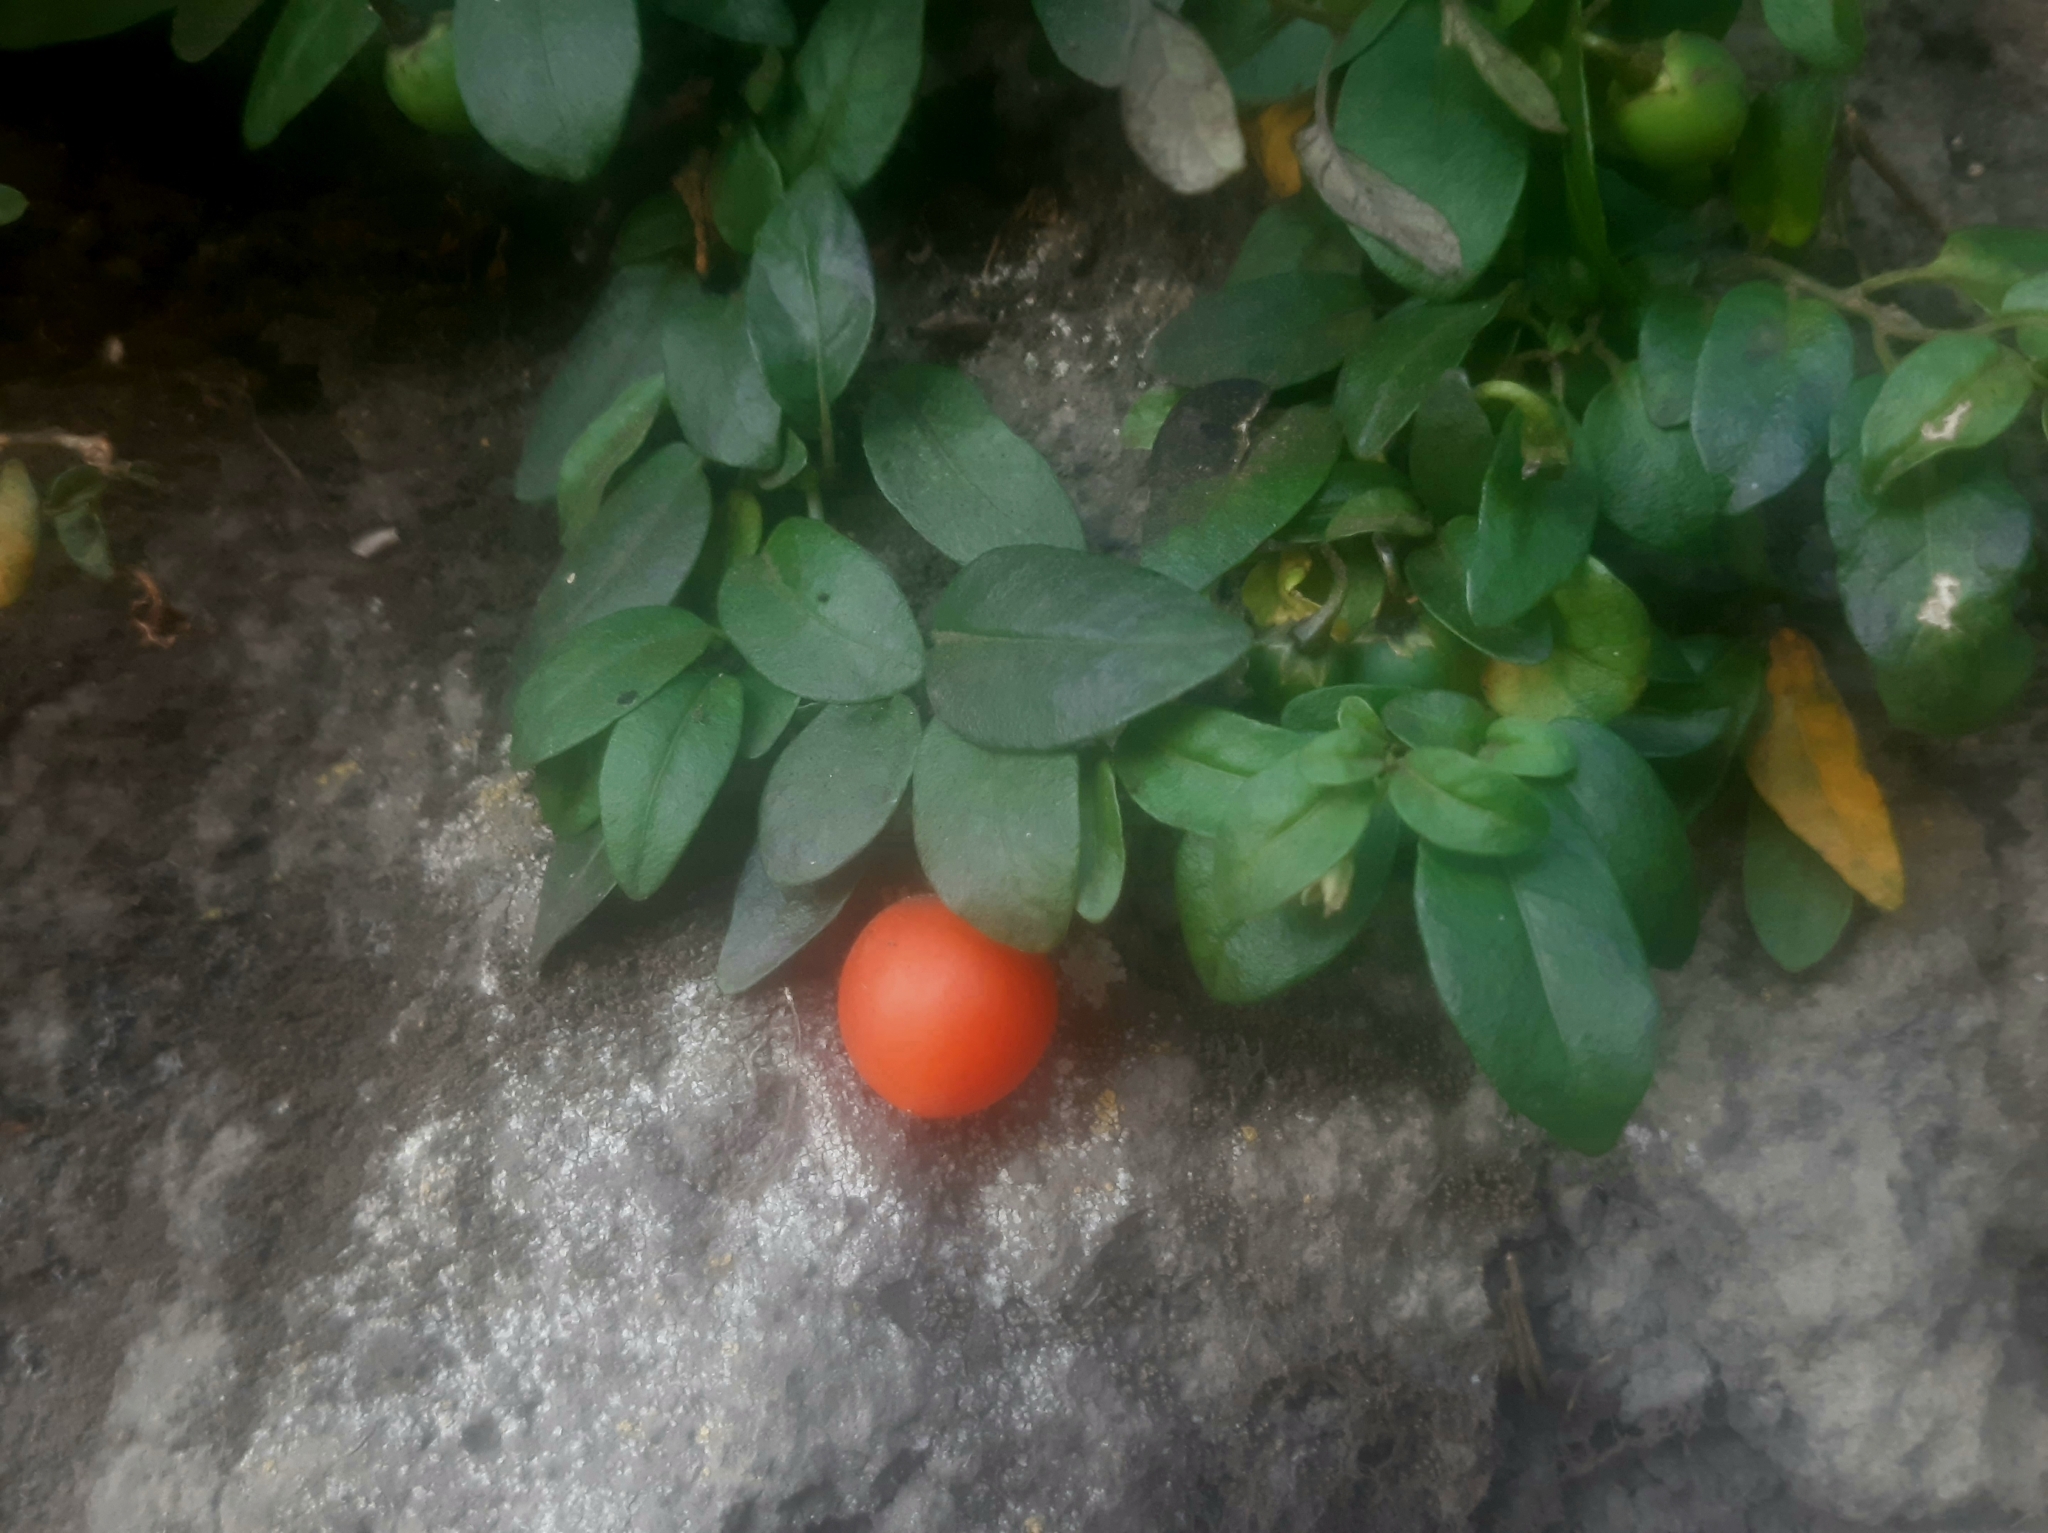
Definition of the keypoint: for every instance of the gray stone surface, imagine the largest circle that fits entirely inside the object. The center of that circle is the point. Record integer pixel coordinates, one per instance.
(319, 1210)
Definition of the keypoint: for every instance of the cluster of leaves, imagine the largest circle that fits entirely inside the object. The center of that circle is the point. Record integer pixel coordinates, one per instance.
(66, 509)
(1492, 500)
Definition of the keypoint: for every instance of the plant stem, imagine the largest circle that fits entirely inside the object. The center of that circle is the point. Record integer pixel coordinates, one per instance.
(1885, 319)
(1888, 172)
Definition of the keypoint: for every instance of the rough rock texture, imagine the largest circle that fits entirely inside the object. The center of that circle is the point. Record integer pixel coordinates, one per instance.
(318, 1210)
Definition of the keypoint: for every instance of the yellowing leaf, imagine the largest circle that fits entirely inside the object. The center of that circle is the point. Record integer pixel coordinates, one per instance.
(1808, 765)
(1272, 591)
(1273, 141)
(19, 530)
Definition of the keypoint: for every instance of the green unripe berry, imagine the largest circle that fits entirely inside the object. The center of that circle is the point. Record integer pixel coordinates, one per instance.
(1694, 110)
(421, 79)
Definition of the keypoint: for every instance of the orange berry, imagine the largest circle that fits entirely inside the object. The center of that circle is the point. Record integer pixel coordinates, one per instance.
(941, 1019)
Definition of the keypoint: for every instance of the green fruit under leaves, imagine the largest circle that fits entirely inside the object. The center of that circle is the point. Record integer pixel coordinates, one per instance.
(1694, 111)
(421, 79)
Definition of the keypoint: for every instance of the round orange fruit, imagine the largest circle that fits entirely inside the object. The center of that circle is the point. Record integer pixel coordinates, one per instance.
(941, 1019)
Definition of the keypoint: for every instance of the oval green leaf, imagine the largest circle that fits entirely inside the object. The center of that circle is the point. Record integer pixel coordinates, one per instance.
(810, 298)
(1534, 530)
(770, 924)
(1617, 800)
(636, 551)
(1284, 832)
(831, 792)
(1421, 114)
(1772, 373)
(765, 23)
(999, 836)
(715, 384)
(618, 346)
(745, 188)
(578, 878)
(604, 448)
(1037, 648)
(1389, 373)
(818, 615)
(1797, 904)
(1602, 660)
(308, 46)
(1954, 393)
(1197, 531)
(664, 765)
(1280, 330)
(856, 77)
(600, 673)
(1438, 574)
(1448, 720)
(956, 472)
(1652, 483)
(547, 83)
(1183, 765)
(1449, 448)
(1529, 749)
(1543, 976)
(1462, 804)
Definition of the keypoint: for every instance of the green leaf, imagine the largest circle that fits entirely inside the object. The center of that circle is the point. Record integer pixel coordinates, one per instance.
(1298, 235)
(770, 924)
(1771, 375)
(1284, 833)
(1652, 483)
(1183, 765)
(999, 835)
(1241, 960)
(810, 298)
(1619, 803)
(856, 77)
(832, 791)
(1421, 114)
(1828, 34)
(1518, 86)
(578, 878)
(1445, 720)
(1449, 448)
(600, 673)
(664, 765)
(745, 188)
(1036, 648)
(83, 537)
(1147, 414)
(39, 23)
(1983, 263)
(1090, 37)
(658, 226)
(636, 551)
(1210, 525)
(546, 83)
(1437, 573)
(818, 615)
(1927, 577)
(1462, 804)
(201, 26)
(769, 710)
(1779, 172)
(1529, 749)
(1798, 905)
(12, 205)
(1178, 114)
(961, 477)
(1101, 878)
(766, 23)
(604, 448)
(1664, 735)
(1280, 330)
(1402, 358)
(1602, 660)
(2029, 296)
(1674, 330)
(1543, 976)
(1317, 711)
(715, 383)
(1534, 530)
(1284, 66)
(308, 45)
(565, 787)
(1955, 392)
(618, 346)
(1357, 500)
